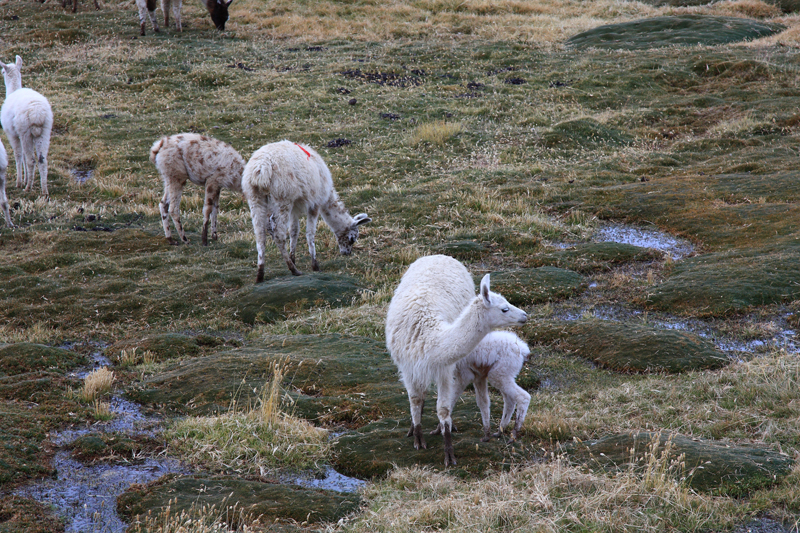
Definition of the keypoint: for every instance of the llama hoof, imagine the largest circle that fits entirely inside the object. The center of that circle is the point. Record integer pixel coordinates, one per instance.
(449, 458)
(419, 440)
(437, 431)
(486, 438)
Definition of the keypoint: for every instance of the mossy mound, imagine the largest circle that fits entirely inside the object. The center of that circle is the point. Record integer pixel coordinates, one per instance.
(464, 250)
(111, 447)
(730, 282)
(584, 132)
(378, 447)
(630, 347)
(122, 242)
(276, 298)
(167, 345)
(685, 30)
(331, 379)
(270, 501)
(709, 467)
(594, 257)
(27, 357)
(536, 285)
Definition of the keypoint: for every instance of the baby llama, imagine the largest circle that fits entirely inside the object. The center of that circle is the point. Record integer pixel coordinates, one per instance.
(27, 119)
(496, 361)
(434, 321)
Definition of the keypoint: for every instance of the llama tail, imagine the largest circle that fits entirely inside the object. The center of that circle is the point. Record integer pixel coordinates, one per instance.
(156, 148)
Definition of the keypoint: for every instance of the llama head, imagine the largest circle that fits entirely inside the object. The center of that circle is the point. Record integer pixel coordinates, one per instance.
(349, 236)
(219, 13)
(499, 312)
(12, 75)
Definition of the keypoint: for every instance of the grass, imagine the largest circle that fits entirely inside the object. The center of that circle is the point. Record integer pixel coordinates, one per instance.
(250, 440)
(198, 519)
(96, 384)
(549, 497)
(471, 122)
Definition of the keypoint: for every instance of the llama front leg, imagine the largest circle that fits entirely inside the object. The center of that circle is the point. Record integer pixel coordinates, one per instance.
(4, 199)
(294, 235)
(175, 211)
(281, 224)
(165, 5)
(443, 402)
(311, 232)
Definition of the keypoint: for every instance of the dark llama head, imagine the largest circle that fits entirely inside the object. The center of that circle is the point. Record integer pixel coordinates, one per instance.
(219, 12)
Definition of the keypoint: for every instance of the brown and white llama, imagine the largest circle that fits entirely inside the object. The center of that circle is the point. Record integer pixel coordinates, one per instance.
(283, 181)
(202, 160)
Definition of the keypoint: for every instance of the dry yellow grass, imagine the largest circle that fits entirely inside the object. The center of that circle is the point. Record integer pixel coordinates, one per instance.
(95, 384)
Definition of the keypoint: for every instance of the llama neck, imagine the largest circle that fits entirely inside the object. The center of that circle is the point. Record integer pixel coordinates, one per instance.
(12, 85)
(335, 215)
(457, 339)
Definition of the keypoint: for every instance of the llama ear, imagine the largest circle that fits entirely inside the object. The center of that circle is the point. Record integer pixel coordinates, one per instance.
(229, 3)
(361, 218)
(487, 300)
(19, 62)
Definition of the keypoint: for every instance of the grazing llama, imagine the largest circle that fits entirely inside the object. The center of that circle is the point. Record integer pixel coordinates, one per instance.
(434, 321)
(284, 180)
(201, 160)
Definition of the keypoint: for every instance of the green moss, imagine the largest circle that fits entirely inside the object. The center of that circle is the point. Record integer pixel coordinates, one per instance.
(683, 30)
(525, 287)
(709, 466)
(268, 501)
(631, 347)
(593, 257)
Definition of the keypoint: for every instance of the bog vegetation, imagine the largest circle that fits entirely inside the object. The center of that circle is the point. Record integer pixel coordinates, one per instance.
(461, 127)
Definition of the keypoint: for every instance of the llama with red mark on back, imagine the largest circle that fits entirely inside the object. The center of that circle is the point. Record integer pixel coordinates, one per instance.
(283, 181)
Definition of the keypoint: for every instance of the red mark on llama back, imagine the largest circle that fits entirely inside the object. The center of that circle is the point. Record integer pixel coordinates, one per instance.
(304, 151)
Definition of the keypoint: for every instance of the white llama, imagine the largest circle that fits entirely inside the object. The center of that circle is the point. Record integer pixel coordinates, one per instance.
(3, 197)
(27, 120)
(434, 321)
(496, 361)
(283, 181)
(202, 160)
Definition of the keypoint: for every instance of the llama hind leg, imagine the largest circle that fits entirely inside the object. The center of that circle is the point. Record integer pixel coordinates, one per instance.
(484, 404)
(417, 400)
(262, 224)
(16, 146)
(210, 208)
(41, 146)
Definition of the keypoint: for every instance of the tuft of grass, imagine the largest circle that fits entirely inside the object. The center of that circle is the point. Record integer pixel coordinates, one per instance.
(97, 383)
(435, 133)
(198, 519)
(250, 440)
(134, 356)
(102, 411)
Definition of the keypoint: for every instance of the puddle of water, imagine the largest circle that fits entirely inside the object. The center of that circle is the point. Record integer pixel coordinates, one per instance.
(333, 480)
(81, 176)
(86, 496)
(646, 238)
